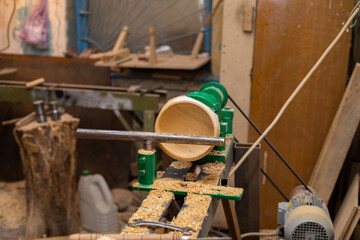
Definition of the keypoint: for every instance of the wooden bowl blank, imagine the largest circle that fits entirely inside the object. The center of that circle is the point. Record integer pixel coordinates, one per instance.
(187, 116)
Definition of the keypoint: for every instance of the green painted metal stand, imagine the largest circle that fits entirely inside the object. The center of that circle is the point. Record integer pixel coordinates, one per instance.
(215, 96)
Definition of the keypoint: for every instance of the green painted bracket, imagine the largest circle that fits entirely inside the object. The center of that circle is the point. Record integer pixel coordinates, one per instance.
(147, 168)
(182, 193)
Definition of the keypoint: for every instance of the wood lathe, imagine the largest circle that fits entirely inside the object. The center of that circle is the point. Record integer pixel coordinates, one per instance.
(195, 130)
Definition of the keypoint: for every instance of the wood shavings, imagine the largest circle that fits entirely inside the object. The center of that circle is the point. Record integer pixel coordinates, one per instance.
(12, 210)
(160, 174)
(194, 214)
(180, 165)
(191, 176)
(214, 168)
(146, 152)
(193, 187)
(216, 152)
(152, 209)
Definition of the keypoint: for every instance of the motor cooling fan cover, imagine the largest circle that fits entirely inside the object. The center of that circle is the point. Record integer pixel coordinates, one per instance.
(308, 223)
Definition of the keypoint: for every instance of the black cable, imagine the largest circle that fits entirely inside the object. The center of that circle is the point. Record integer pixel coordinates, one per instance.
(270, 145)
(8, 28)
(268, 178)
(274, 185)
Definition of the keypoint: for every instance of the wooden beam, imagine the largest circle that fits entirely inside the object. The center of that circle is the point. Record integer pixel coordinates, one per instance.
(338, 140)
(237, 51)
(231, 219)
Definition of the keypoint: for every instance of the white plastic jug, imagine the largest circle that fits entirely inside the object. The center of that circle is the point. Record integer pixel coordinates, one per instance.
(98, 213)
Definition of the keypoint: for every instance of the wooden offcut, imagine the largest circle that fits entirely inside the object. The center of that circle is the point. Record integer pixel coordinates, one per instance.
(196, 48)
(48, 152)
(187, 116)
(248, 18)
(338, 140)
(35, 82)
(152, 57)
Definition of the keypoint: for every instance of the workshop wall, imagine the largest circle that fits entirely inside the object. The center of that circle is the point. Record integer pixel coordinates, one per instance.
(290, 37)
(60, 35)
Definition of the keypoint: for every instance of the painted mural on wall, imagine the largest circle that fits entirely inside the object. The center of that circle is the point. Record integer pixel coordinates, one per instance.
(55, 24)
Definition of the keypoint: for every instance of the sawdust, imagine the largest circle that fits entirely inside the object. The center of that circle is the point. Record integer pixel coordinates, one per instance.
(213, 168)
(194, 213)
(146, 152)
(12, 209)
(160, 174)
(216, 152)
(208, 185)
(152, 209)
(193, 187)
(191, 176)
(180, 165)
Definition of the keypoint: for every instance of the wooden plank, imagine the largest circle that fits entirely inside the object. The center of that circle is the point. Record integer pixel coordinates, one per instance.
(166, 62)
(231, 219)
(55, 69)
(338, 140)
(288, 43)
(348, 215)
(237, 61)
(216, 32)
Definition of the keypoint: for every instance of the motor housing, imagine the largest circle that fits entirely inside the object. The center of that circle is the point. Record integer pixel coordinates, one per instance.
(305, 217)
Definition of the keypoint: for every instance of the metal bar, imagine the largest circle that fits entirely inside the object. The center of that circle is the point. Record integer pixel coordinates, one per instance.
(141, 136)
(207, 37)
(81, 97)
(270, 145)
(248, 177)
(81, 25)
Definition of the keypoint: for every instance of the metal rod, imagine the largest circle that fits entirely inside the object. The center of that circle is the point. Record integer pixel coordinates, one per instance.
(40, 111)
(142, 136)
(270, 145)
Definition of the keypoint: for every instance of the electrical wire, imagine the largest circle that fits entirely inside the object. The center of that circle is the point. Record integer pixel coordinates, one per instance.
(298, 88)
(261, 234)
(270, 145)
(8, 28)
(270, 180)
(274, 185)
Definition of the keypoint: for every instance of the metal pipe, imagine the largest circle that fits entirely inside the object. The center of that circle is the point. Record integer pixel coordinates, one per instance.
(142, 136)
(40, 111)
(54, 111)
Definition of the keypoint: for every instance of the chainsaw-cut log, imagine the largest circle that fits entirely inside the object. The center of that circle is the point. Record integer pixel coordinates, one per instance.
(185, 115)
(48, 153)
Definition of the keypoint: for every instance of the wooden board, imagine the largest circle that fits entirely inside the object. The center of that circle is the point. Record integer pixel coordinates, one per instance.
(349, 213)
(237, 51)
(338, 140)
(216, 32)
(166, 62)
(290, 37)
(55, 69)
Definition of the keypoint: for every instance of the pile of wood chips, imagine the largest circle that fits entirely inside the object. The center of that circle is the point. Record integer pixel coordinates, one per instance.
(12, 205)
(151, 209)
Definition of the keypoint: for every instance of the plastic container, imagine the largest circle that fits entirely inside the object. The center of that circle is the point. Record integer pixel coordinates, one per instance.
(98, 213)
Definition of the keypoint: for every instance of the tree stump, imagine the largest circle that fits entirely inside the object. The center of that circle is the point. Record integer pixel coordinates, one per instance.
(48, 152)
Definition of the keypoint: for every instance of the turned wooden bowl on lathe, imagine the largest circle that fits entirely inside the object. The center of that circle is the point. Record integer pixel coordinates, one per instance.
(185, 115)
